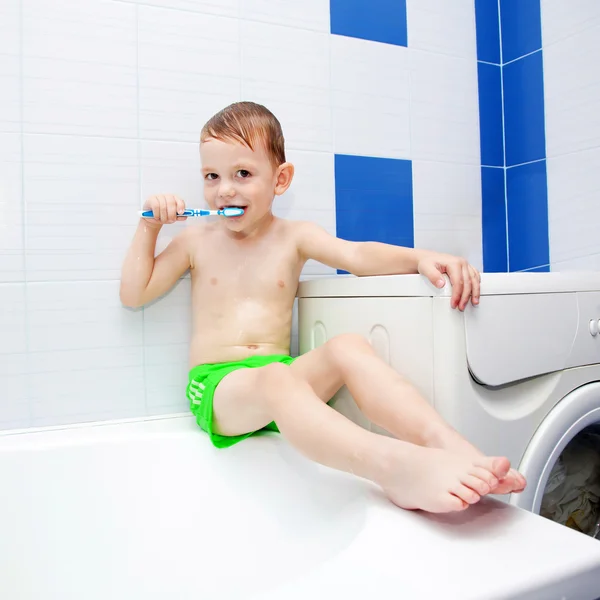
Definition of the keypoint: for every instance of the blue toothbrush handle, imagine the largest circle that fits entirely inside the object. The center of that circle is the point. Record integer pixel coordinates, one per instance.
(189, 212)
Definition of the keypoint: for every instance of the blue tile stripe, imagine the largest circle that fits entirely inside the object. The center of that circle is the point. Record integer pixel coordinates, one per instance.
(374, 199)
(493, 220)
(528, 242)
(509, 35)
(376, 20)
(521, 28)
(488, 31)
(490, 114)
(524, 122)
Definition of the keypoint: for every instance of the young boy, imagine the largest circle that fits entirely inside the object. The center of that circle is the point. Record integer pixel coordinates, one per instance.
(245, 272)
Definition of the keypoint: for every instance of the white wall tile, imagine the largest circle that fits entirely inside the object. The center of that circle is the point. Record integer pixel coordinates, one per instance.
(584, 263)
(12, 264)
(572, 93)
(80, 315)
(446, 189)
(167, 335)
(561, 20)
(189, 70)
(88, 394)
(371, 90)
(447, 209)
(14, 404)
(444, 108)
(457, 235)
(81, 197)
(79, 67)
(10, 70)
(287, 70)
(308, 14)
(217, 7)
(168, 320)
(442, 26)
(172, 168)
(166, 377)
(86, 384)
(313, 186)
(13, 311)
(10, 26)
(573, 191)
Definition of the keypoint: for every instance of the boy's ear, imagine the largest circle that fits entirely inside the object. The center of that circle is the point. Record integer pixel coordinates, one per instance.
(283, 178)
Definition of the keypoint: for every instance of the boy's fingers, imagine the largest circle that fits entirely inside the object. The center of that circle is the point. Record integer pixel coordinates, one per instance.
(467, 287)
(180, 205)
(171, 209)
(162, 209)
(476, 281)
(455, 273)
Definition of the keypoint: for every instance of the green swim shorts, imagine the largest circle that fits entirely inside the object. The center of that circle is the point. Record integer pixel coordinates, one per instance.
(203, 381)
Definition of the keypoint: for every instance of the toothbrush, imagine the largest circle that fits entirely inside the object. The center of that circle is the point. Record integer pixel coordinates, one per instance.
(199, 212)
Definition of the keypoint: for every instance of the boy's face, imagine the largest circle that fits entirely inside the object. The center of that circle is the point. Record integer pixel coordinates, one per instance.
(235, 175)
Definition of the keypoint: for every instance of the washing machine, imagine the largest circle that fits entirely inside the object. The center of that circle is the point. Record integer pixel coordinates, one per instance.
(518, 375)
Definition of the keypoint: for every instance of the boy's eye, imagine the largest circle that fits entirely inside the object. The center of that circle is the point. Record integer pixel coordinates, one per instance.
(243, 173)
(211, 176)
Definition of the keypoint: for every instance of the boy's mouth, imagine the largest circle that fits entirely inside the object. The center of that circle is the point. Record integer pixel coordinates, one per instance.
(233, 206)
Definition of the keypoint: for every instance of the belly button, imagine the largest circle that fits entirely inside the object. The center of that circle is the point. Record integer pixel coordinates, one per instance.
(252, 347)
(214, 280)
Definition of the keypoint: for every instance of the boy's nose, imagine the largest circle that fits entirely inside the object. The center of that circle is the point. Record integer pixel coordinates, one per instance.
(226, 190)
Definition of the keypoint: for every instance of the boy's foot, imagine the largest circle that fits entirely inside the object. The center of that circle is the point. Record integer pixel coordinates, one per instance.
(438, 481)
(448, 439)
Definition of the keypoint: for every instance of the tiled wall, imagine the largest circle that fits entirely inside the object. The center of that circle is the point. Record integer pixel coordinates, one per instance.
(539, 91)
(102, 103)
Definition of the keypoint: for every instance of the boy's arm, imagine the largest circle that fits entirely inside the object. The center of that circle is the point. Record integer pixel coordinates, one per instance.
(358, 258)
(376, 258)
(144, 277)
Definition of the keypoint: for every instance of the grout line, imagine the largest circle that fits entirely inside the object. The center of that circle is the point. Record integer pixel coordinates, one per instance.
(24, 215)
(529, 162)
(503, 140)
(519, 58)
(139, 172)
(332, 114)
(532, 268)
(240, 51)
(220, 15)
(485, 62)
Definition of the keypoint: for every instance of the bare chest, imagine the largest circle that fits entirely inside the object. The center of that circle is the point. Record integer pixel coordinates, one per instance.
(239, 273)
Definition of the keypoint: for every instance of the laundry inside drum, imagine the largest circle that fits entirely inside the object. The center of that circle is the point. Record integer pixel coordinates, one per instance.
(572, 494)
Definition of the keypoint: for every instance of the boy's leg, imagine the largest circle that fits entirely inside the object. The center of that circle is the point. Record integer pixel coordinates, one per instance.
(412, 476)
(385, 397)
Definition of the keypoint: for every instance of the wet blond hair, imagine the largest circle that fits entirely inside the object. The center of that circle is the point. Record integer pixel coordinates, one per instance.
(250, 124)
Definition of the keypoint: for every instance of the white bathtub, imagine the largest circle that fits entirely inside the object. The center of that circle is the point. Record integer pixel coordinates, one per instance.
(149, 509)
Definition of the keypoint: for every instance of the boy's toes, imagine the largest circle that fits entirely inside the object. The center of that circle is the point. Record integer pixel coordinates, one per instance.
(476, 484)
(497, 466)
(454, 504)
(484, 475)
(521, 482)
(514, 482)
(466, 494)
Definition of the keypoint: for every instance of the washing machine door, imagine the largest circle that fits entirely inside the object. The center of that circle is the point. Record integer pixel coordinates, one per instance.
(575, 412)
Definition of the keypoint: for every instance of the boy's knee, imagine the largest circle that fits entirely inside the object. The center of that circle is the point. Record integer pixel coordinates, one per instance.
(345, 343)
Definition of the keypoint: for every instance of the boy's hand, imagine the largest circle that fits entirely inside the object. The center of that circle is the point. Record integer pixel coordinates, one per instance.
(465, 279)
(166, 208)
